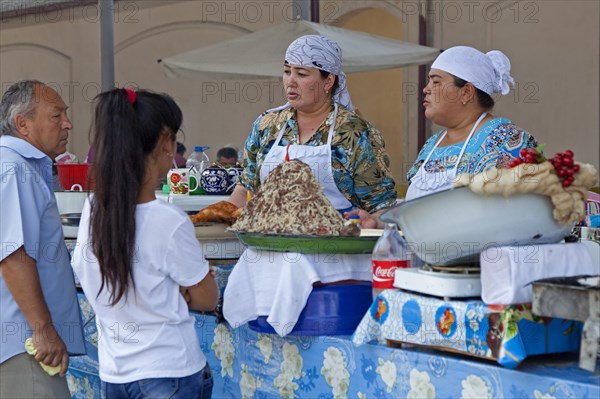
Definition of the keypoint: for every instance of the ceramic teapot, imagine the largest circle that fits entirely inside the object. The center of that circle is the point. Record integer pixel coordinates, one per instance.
(234, 172)
(215, 180)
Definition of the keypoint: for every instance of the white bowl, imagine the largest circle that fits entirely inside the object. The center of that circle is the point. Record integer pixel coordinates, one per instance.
(70, 202)
(455, 226)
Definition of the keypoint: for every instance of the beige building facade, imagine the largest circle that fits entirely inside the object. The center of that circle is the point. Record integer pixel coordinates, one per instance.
(553, 46)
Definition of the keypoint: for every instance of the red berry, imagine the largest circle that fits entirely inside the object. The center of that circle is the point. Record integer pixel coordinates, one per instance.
(523, 152)
(561, 173)
(576, 168)
(569, 153)
(568, 161)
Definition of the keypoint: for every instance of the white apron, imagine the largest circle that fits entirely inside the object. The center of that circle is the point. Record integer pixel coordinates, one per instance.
(317, 157)
(423, 183)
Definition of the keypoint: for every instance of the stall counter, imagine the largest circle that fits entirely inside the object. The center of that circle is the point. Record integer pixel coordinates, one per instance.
(247, 364)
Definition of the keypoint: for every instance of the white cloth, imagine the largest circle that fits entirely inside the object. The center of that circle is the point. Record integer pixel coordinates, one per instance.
(423, 183)
(319, 52)
(317, 157)
(149, 333)
(506, 272)
(277, 284)
(488, 72)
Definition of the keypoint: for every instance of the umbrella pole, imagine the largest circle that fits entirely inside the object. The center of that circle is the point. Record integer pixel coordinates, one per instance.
(422, 82)
(107, 52)
(301, 8)
(314, 11)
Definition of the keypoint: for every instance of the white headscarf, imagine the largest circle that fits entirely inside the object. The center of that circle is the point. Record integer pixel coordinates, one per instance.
(488, 72)
(322, 53)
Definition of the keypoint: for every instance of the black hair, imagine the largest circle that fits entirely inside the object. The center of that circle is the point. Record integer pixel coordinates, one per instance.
(180, 148)
(336, 82)
(124, 134)
(484, 99)
(227, 152)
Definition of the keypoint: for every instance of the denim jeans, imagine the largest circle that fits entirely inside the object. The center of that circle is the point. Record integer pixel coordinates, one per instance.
(197, 385)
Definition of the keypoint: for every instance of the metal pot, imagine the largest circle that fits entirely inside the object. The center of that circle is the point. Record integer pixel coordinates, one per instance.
(455, 226)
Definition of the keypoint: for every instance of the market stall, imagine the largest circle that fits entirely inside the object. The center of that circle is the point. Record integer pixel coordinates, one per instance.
(247, 364)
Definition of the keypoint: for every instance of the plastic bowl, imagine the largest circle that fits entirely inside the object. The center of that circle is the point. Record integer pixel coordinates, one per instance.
(455, 226)
(74, 177)
(329, 310)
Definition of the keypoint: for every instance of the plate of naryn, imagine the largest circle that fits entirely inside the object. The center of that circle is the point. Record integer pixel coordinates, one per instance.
(308, 244)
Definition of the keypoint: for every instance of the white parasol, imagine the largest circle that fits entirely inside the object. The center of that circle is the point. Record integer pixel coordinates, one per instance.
(260, 54)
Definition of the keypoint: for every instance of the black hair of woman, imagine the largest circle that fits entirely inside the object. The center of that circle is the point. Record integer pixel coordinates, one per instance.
(485, 100)
(125, 133)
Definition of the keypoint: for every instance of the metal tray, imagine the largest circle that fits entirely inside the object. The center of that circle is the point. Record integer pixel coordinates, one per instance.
(455, 226)
(70, 219)
(308, 244)
(213, 231)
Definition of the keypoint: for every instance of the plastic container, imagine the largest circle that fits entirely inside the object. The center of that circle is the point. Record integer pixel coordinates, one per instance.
(329, 310)
(74, 176)
(355, 220)
(198, 159)
(390, 253)
(196, 163)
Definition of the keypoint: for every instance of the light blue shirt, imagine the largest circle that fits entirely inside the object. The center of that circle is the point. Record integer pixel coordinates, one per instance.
(29, 217)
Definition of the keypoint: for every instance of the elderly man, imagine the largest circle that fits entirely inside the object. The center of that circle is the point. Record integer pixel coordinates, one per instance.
(37, 291)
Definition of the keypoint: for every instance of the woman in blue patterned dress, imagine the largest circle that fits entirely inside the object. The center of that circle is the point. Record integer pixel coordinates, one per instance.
(458, 98)
(318, 126)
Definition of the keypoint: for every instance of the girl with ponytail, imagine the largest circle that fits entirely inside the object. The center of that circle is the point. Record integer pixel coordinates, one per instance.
(137, 257)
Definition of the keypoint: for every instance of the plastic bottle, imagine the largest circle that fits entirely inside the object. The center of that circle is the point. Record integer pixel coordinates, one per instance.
(390, 253)
(355, 220)
(196, 163)
(198, 160)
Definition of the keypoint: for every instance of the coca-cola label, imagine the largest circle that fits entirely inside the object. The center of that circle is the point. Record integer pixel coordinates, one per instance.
(384, 271)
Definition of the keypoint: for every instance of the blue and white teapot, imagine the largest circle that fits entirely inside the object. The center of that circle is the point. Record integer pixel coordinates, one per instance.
(234, 172)
(215, 180)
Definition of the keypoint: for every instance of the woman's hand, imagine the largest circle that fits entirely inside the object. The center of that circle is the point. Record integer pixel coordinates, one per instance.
(367, 221)
(239, 196)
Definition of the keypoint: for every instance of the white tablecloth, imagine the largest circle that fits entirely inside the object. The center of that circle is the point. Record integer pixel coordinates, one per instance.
(506, 272)
(277, 284)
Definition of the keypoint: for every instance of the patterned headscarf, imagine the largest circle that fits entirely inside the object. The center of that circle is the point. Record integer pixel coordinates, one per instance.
(488, 72)
(320, 52)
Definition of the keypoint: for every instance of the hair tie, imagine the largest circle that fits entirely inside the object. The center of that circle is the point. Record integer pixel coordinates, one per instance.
(131, 95)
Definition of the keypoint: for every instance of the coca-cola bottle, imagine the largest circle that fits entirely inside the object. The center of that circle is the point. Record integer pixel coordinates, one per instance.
(389, 254)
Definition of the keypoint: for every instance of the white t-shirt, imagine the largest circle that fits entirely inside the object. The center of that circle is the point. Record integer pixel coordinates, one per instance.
(149, 333)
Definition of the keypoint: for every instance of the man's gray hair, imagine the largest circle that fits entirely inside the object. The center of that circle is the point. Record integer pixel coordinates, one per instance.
(18, 99)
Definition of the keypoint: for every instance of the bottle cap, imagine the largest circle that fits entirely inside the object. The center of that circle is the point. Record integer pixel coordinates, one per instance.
(201, 148)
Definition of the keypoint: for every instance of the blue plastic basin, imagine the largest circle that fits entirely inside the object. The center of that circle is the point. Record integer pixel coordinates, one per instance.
(329, 310)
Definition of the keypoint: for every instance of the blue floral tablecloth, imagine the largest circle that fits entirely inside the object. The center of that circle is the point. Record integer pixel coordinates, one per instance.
(247, 364)
(507, 334)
